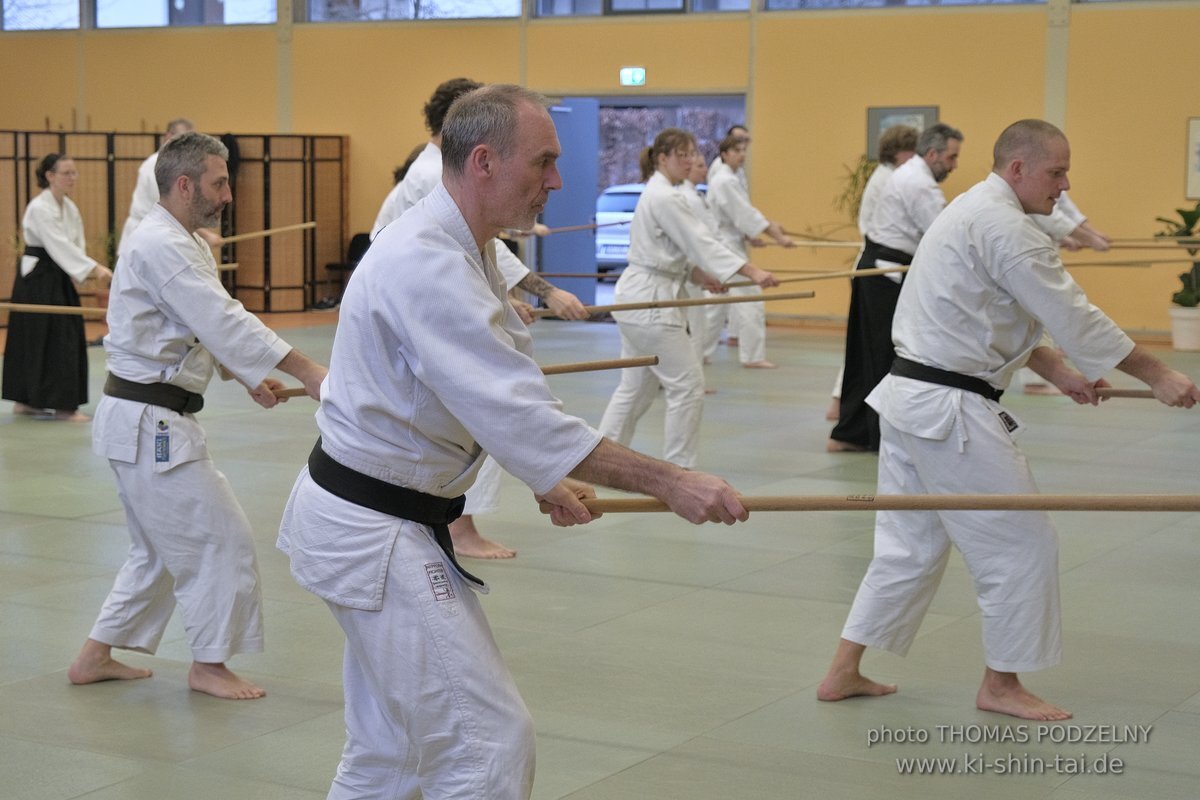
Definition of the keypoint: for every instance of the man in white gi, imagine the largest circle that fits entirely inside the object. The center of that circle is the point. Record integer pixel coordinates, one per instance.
(145, 191)
(171, 323)
(908, 205)
(430, 369)
(897, 145)
(423, 176)
(985, 284)
(738, 222)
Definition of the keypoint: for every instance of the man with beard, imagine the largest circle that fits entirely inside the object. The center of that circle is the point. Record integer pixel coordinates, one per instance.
(171, 323)
(907, 206)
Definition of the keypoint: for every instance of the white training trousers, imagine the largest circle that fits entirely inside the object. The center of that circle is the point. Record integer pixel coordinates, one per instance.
(682, 378)
(747, 322)
(432, 712)
(1012, 556)
(191, 543)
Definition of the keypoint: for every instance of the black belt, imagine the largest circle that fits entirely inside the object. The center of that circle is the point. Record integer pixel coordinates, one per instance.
(37, 252)
(873, 251)
(388, 498)
(922, 372)
(156, 394)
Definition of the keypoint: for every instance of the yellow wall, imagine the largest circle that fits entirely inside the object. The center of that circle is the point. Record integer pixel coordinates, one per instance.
(372, 82)
(1130, 97)
(808, 79)
(816, 77)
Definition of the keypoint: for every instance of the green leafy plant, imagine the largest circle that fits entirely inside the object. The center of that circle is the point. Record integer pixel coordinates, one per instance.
(1189, 295)
(853, 184)
(1184, 226)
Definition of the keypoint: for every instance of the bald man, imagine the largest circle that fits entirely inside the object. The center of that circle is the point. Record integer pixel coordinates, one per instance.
(984, 286)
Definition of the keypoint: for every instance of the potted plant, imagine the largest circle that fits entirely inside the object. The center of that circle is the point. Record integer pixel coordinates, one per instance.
(1185, 313)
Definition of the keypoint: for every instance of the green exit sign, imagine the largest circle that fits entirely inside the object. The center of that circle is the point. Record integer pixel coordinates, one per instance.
(633, 76)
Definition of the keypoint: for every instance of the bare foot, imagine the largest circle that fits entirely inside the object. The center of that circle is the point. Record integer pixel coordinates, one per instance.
(1040, 388)
(469, 542)
(71, 416)
(731, 341)
(838, 446)
(709, 390)
(1002, 693)
(707, 361)
(219, 681)
(28, 411)
(834, 412)
(840, 684)
(95, 664)
(764, 364)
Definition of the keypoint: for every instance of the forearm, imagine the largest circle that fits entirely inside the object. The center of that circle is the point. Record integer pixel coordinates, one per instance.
(1046, 362)
(302, 367)
(618, 467)
(775, 231)
(536, 285)
(1143, 366)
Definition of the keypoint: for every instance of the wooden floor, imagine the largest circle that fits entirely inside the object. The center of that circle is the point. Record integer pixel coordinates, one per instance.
(660, 661)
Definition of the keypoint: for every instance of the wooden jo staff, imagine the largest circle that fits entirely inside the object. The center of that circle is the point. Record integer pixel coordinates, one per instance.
(1141, 394)
(816, 243)
(591, 226)
(549, 369)
(588, 275)
(1183, 241)
(1170, 245)
(1139, 264)
(241, 237)
(35, 308)
(616, 273)
(809, 237)
(699, 301)
(824, 276)
(927, 502)
(596, 366)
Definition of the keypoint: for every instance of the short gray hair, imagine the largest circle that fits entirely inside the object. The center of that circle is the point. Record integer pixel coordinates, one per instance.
(180, 125)
(484, 116)
(936, 137)
(1025, 139)
(185, 155)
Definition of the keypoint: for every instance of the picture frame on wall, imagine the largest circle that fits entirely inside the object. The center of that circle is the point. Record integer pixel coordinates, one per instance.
(880, 118)
(1193, 159)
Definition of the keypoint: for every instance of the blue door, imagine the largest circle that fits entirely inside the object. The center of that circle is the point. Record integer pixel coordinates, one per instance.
(577, 120)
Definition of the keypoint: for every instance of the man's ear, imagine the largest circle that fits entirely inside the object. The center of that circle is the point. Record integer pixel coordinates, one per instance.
(1016, 168)
(481, 161)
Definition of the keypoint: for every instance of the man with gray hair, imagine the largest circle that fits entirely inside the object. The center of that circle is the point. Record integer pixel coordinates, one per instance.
(985, 284)
(145, 190)
(907, 205)
(171, 324)
(431, 371)
(423, 177)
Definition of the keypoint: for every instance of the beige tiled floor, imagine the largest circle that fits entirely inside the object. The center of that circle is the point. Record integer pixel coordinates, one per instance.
(660, 660)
